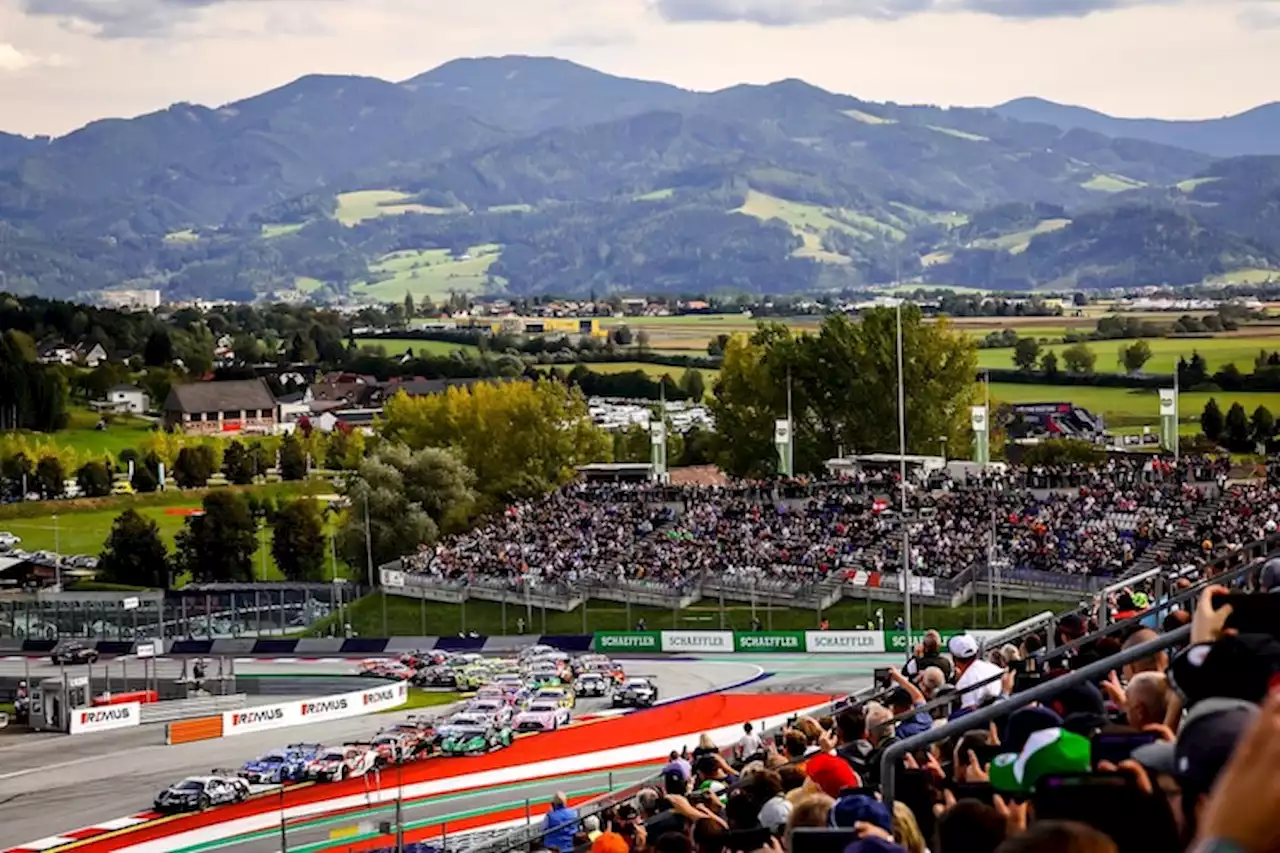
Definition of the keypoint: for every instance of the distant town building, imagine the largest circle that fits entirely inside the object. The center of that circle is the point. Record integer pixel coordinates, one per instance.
(212, 408)
(134, 300)
(124, 399)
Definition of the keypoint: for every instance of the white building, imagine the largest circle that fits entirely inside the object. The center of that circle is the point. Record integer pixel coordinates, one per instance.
(125, 398)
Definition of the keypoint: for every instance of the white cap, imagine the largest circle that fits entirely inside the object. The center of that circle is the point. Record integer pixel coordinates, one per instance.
(591, 823)
(962, 647)
(775, 813)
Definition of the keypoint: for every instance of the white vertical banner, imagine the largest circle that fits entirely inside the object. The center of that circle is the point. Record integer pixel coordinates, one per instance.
(658, 441)
(981, 434)
(782, 439)
(1169, 418)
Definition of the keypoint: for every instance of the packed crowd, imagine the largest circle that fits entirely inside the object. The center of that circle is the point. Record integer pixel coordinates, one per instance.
(805, 531)
(1175, 749)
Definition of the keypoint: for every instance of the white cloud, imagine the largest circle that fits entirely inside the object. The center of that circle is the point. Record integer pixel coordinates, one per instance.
(12, 59)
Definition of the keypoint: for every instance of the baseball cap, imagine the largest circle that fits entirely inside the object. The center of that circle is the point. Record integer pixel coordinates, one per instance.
(775, 813)
(1242, 666)
(831, 773)
(1205, 742)
(962, 647)
(1027, 721)
(1047, 752)
(852, 808)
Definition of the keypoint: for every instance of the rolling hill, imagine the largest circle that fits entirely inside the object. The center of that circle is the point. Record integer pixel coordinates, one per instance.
(580, 181)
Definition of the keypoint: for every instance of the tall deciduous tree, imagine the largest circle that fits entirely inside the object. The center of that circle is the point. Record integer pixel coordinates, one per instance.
(520, 438)
(693, 385)
(1025, 354)
(218, 545)
(298, 540)
(844, 394)
(94, 479)
(1049, 363)
(1237, 432)
(237, 464)
(1079, 359)
(193, 467)
(134, 553)
(1263, 424)
(1135, 356)
(293, 459)
(51, 477)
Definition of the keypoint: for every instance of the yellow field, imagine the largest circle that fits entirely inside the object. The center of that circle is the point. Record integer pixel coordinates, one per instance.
(432, 273)
(358, 206)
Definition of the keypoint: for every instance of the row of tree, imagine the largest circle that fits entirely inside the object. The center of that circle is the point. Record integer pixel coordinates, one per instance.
(1079, 359)
(1237, 430)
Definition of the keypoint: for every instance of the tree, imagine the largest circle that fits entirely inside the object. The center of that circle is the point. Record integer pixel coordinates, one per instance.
(144, 480)
(716, 346)
(1079, 359)
(410, 497)
(94, 479)
(1025, 354)
(193, 467)
(1049, 363)
(621, 336)
(1211, 420)
(298, 540)
(1135, 356)
(408, 305)
(1237, 433)
(642, 341)
(158, 351)
(247, 349)
(302, 349)
(134, 553)
(238, 464)
(844, 390)
(293, 459)
(51, 477)
(218, 545)
(1264, 425)
(17, 469)
(693, 385)
(520, 438)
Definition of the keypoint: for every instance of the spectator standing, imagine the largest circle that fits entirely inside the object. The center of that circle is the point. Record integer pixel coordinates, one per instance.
(749, 744)
(972, 672)
(929, 653)
(559, 824)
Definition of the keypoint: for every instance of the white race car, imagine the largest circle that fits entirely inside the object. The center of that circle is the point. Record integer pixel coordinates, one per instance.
(542, 715)
(499, 709)
(592, 684)
(197, 793)
(635, 693)
(343, 762)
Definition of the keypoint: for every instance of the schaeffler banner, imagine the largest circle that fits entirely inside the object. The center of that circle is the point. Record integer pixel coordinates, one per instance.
(697, 641)
(628, 641)
(846, 642)
(769, 641)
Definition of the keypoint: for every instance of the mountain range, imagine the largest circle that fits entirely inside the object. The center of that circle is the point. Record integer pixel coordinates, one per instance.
(539, 176)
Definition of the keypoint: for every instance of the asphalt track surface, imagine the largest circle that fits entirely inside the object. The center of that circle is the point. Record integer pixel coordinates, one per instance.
(55, 783)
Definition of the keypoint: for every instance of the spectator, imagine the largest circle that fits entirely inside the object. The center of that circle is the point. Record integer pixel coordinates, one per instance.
(558, 825)
(1059, 836)
(929, 654)
(591, 826)
(1158, 662)
(969, 827)
(676, 773)
(902, 699)
(1146, 700)
(973, 672)
(811, 810)
(608, 842)
(931, 681)
(749, 745)
(905, 829)
(831, 774)
(880, 734)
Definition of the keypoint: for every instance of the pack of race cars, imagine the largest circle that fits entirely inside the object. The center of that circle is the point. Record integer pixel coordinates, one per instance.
(533, 692)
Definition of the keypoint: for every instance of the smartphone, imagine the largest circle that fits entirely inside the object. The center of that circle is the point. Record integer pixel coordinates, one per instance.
(881, 676)
(980, 791)
(986, 752)
(1118, 746)
(820, 839)
(915, 789)
(747, 839)
(1111, 803)
(1257, 613)
(779, 740)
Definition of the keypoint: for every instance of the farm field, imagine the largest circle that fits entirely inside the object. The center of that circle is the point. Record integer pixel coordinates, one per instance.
(431, 273)
(1217, 351)
(1129, 407)
(654, 371)
(397, 346)
(358, 206)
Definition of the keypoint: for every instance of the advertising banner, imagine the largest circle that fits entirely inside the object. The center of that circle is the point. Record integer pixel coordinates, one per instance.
(782, 439)
(301, 711)
(769, 641)
(697, 641)
(104, 719)
(896, 641)
(846, 642)
(981, 435)
(628, 641)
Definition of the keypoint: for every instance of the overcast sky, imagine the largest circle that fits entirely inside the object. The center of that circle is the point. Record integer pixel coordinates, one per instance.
(66, 62)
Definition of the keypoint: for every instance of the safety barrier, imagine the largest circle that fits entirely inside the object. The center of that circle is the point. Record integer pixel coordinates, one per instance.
(190, 731)
(730, 642)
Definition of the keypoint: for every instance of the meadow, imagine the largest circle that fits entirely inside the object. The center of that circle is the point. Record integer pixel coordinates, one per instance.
(1129, 407)
(431, 273)
(356, 207)
(397, 346)
(1218, 352)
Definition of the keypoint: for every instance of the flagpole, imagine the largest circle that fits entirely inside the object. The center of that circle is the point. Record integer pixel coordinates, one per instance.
(791, 431)
(902, 474)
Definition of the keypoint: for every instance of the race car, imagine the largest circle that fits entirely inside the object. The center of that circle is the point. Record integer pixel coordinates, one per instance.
(389, 669)
(562, 697)
(197, 793)
(592, 684)
(280, 765)
(472, 677)
(436, 676)
(334, 763)
(608, 668)
(69, 654)
(635, 693)
(472, 740)
(459, 721)
(405, 741)
(497, 709)
(537, 650)
(465, 659)
(542, 715)
(495, 691)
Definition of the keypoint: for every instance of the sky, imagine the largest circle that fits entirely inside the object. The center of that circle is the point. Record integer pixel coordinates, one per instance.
(67, 62)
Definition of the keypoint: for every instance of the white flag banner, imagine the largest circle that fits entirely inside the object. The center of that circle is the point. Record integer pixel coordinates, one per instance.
(1168, 402)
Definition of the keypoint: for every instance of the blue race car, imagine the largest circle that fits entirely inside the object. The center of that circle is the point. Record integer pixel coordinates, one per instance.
(281, 765)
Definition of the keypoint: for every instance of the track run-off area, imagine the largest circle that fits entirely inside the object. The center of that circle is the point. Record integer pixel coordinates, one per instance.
(93, 792)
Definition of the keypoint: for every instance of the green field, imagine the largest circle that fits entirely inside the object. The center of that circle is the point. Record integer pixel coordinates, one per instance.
(85, 531)
(396, 346)
(431, 273)
(1107, 183)
(1218, 352)
(1127, 407)
(654, 371)
(1016, 243)
(809, 222)
(868, 118)
(410, 617)
(356, 207)
(81, 436)
(958, 134)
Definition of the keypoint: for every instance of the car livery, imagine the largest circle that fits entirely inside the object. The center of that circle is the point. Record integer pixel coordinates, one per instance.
(280, 765)
(499, 710)
(342, 762)
(436, 676)
(473, 740)
(542, 715)
(69, 654)
(592, 684)
(197, 793)
(635, 693)
(562, 697)
(609, 669)
(473, 677)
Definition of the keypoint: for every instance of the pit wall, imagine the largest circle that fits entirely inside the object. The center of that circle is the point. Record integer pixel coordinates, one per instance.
(609, 642)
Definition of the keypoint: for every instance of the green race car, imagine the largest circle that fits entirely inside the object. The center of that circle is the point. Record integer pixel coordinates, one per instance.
(473, 677)
(473, 740)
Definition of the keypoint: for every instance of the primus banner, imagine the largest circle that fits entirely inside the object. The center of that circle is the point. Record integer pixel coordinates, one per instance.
(319, 709)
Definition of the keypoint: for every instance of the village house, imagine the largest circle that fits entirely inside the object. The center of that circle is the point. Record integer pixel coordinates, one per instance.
(213, 408)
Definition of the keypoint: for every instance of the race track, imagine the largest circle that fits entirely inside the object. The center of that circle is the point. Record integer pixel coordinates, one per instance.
(56, 783)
